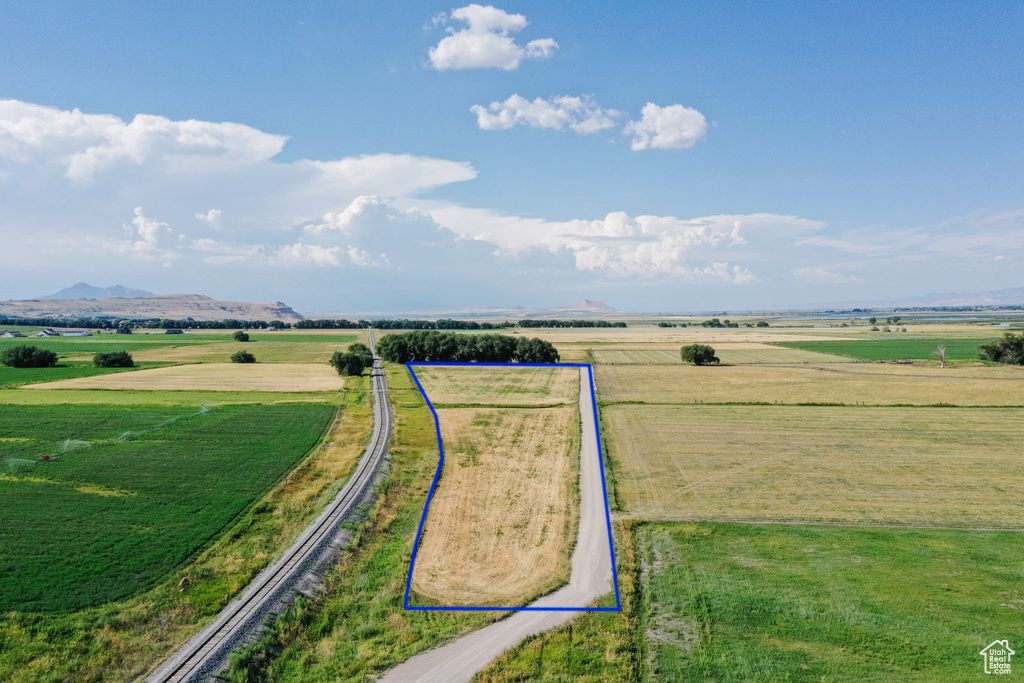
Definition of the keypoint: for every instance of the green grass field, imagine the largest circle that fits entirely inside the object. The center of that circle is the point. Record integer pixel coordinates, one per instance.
(731, 602)
(896, 348)
(136, 492)
(122, 397)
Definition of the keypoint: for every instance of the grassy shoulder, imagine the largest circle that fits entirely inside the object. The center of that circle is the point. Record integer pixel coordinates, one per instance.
(120, 641)
(358, 628)
(729, 602)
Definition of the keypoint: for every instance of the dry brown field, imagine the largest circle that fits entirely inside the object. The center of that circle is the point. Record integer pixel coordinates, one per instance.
(499, 385)
(214, 377)
(499, 527)
(850, 383)
(918, 466)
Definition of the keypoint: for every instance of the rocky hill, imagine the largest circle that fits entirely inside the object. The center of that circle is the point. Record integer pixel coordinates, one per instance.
(174, 306)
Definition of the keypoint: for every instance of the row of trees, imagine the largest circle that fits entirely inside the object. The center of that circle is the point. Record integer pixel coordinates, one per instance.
(569, 323)
(432, 345)
(444, 324)
(163, 324)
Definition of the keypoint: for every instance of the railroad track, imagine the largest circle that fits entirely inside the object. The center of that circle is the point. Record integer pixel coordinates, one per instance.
(207, 651)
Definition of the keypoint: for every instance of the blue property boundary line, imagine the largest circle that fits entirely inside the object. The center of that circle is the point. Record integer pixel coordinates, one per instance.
(437, 476)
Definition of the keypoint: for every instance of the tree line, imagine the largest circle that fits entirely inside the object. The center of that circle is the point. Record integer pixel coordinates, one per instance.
(432, 345)
(162, 324)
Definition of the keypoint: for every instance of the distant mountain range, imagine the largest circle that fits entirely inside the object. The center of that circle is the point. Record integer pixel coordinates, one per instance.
(84, 290)
(1011, 296)
(584, 308)
(173, 306)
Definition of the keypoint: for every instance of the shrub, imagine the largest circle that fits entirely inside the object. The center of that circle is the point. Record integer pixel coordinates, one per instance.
(1009, 349)
(698, 354)
(351, 363)
(23, 356)
(114, 359)
(762, 323)
(241, 336)
(242, 357)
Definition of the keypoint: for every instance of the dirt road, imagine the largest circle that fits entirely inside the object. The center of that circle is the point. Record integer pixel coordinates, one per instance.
(590, 579)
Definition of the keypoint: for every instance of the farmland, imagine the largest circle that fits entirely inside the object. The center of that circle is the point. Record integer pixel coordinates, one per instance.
(461, 385)
(214, 377)
(499, 527)
(360, 629)
(12, 377)
(849, 383)
(729, 354)
(129, 476)
(713, 444)
(730, 602)
(914, 348)
(931, 466)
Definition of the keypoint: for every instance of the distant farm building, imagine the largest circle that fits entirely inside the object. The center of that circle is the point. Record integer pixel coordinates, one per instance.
(13, 334)
(48, 333)
(76, 333)
(173, 332)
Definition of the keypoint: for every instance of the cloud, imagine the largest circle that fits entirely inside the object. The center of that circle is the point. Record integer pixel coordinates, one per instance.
(146, 241)
(60, 167)
(300, 254)
(485, 41)
(211, 217)
(671, 127)
(637, 248)
(581, 114)
(85, 144)
(821, 275)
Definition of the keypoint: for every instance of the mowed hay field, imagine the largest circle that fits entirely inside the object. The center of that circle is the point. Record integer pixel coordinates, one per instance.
(851, 383)
(507, 385)
(499, 527)
(918, 466)
(728, 354)
(130, 493)
(731, 602)
(214, 377)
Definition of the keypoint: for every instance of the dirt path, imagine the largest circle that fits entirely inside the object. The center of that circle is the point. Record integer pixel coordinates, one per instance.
(591, 578)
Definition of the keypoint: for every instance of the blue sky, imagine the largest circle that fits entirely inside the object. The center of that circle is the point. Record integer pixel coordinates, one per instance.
(682, 156)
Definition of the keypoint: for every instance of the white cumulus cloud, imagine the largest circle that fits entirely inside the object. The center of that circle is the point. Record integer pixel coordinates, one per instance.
(485, 41)
(671, 127)
(581, 114)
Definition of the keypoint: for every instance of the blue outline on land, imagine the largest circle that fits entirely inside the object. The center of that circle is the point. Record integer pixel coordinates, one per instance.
(440, 466)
